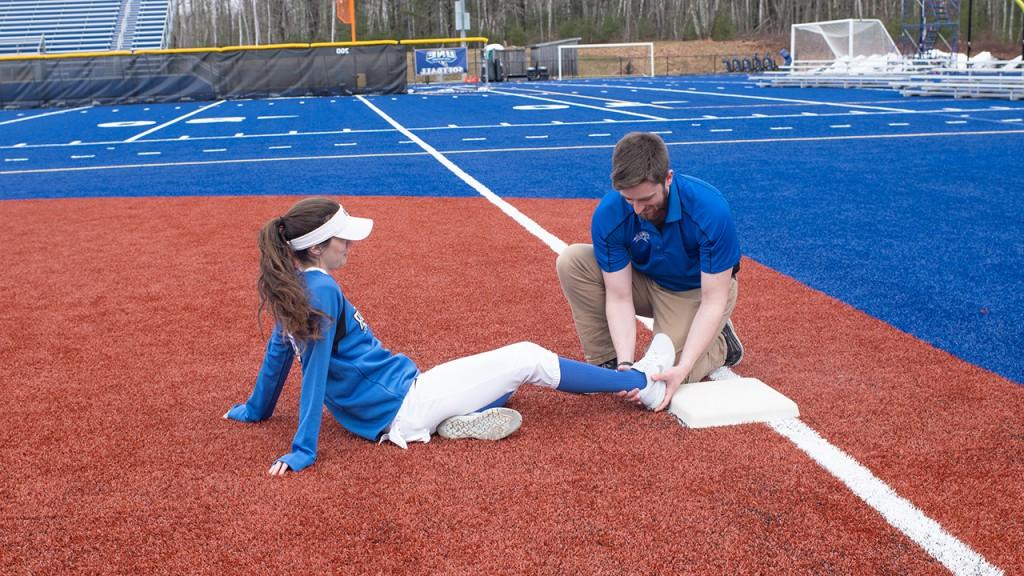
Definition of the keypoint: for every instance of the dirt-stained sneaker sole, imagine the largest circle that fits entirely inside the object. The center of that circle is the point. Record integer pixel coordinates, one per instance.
(492, 424)
(733, 346)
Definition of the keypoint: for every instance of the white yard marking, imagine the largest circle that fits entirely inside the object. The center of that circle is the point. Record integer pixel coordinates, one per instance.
(277, 117)
(511, 149)
(600, 135)
(839, 126)
(548, 238)
(174, 121)
(22, 118)
(345, 144)
(899, 123)
(899, 512)
(537, 137)
(764, 98)
(209, 150)
(474, 139)
(217, 120)
(956, 121)
(15, 159)
(578, 105)
(278, 147)
(82, 156)
(149, 153)
(721, 130)
(1014, 120)
(780, 128)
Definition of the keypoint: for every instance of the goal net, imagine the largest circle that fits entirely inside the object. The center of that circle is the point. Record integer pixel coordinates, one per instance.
(596, 60)
(838, 40)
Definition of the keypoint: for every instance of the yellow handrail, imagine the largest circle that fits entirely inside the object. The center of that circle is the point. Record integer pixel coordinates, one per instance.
(417, 41)
(249, 47)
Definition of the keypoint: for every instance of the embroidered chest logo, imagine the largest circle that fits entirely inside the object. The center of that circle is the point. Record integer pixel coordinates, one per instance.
(359, 318)
(642, 236)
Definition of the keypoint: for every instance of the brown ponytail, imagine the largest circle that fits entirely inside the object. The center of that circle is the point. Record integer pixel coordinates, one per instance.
(281, 287)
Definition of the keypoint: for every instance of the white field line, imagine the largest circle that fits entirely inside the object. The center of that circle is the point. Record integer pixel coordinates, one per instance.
(525, 221)
(174, 121)
(485, 126)
(33, 117)
(210, 162)
(519, 149)
(899, 512)
(579, 105)
(748, 97)
(609, 100)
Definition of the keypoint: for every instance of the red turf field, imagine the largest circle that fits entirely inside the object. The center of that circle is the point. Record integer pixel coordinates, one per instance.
(129, 327)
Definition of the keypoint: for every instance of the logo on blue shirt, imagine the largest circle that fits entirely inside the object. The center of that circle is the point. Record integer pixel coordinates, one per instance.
(359, 318)
(642, 236)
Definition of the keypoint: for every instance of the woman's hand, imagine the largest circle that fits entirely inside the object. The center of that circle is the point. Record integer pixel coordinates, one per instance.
(278, 469)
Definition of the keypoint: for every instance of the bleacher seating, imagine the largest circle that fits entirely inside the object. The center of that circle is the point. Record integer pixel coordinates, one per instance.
(81, 25)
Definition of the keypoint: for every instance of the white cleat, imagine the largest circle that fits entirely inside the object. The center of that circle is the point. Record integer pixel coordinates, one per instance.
(492, 424)
(660, 356)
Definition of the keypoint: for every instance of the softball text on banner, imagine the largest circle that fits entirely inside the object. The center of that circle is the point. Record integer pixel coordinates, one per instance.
(441, 61)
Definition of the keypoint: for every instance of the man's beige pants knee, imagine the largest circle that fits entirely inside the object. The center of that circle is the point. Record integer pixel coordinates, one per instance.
(673, 312)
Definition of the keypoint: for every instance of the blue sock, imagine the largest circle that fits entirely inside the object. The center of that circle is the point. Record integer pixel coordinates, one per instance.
(497, 403)
(582, 378)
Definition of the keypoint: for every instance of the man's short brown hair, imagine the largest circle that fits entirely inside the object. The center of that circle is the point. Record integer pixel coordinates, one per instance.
(639, 157)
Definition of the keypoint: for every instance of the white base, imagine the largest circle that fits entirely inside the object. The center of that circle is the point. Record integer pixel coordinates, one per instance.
(728, 402)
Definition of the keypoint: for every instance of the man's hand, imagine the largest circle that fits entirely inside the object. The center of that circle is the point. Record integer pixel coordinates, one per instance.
(673, 379)
(278, 469)
(632, 396)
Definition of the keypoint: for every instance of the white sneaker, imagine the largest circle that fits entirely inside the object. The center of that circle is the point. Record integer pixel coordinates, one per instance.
(492, 424)
(660, 356)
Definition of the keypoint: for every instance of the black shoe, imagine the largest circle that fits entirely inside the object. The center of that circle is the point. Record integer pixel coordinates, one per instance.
(733, 346)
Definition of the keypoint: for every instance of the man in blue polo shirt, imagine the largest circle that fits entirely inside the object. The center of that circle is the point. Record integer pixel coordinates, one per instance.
(664, 246)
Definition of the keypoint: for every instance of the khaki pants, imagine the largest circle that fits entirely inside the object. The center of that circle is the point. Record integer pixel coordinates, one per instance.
(673, 312)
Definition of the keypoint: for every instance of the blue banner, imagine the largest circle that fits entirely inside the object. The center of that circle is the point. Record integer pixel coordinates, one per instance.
(441, 61)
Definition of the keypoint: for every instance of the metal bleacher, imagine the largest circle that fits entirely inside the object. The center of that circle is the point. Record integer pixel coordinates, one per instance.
(994, 79)
(54, 26)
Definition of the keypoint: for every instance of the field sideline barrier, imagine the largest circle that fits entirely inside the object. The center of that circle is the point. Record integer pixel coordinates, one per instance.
(295, 69)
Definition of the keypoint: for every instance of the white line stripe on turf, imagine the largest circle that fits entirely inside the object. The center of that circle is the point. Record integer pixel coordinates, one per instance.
(897, 511)
(609, 100)
(494, 150)
(174, 121)
(525, 221)
(579, 105)
(748, 97)
(23, 118)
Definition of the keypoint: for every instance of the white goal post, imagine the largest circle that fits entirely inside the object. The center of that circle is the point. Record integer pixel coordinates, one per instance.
(648, 45)
(834, 40)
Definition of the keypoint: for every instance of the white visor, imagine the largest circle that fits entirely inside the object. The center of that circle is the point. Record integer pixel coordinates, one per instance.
(341, 225)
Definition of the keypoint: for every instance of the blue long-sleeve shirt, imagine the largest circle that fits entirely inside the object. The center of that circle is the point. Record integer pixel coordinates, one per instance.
(348, 370)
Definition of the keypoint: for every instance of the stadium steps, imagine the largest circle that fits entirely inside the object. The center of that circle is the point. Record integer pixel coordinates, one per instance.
(81, 25)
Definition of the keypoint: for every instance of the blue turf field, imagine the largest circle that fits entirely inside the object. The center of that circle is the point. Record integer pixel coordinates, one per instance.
(908, 209)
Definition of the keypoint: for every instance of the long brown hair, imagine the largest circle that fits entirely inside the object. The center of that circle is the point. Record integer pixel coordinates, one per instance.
(281, 286)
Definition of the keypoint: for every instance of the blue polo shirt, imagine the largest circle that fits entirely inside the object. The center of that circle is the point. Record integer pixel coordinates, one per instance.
(698, 235)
